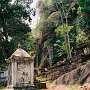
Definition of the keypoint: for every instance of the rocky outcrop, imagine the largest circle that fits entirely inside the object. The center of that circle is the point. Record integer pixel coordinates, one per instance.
(80, 75)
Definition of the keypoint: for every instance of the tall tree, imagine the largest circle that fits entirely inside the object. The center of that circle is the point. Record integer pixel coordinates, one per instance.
(12, 25)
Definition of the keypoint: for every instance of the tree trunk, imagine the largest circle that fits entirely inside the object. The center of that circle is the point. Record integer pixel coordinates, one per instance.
(50, 52)
(67, 44)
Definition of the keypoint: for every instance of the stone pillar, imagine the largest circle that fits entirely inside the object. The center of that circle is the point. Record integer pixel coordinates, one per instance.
(14, 73)
(9, 74)
(32, 73)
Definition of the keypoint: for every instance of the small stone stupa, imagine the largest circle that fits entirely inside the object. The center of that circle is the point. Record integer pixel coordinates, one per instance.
(21, 69)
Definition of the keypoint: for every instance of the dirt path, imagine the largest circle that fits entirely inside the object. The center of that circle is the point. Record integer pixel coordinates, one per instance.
(58, 87)
(73, 87)
(64, 87)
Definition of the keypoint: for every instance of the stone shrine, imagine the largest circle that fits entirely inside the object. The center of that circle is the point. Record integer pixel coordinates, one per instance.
(21, 69)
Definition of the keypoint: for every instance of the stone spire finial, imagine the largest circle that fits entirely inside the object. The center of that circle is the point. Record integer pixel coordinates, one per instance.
(19, 45)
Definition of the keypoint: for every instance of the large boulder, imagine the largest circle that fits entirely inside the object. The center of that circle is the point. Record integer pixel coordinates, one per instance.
(80, 75)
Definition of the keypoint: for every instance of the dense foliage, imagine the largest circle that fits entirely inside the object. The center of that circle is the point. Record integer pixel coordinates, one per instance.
(60, 29)
(13, 29)
(63, 25)
(84, 17)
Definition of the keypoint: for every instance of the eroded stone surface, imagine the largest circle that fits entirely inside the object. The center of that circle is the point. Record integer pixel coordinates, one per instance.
(80, 75)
